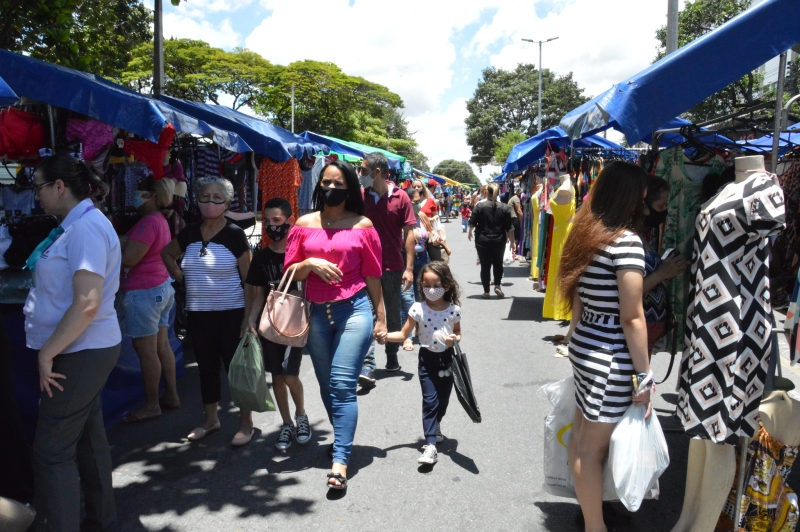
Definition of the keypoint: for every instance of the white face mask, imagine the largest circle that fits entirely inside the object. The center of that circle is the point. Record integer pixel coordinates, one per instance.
(366, 180)
(433, 293)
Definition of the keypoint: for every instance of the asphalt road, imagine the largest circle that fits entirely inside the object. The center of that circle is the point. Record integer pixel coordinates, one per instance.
(489, 475)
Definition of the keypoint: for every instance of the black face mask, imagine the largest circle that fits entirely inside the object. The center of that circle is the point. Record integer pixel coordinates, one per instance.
(334, 196)
(655, 218)
(277, 232)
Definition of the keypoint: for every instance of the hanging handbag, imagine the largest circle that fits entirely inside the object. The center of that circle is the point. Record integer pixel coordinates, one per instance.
(286, 316)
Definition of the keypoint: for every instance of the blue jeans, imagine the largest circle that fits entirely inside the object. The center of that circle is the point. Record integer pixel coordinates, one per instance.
(340, 334)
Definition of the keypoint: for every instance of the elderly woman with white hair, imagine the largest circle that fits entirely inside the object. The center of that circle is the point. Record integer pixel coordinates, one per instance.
(216, 257)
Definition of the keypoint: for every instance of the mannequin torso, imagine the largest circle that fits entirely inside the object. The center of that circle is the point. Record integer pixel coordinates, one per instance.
(780, 415)
(564, 194)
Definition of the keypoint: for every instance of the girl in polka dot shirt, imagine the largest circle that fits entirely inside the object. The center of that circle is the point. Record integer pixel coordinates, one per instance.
(437, 320)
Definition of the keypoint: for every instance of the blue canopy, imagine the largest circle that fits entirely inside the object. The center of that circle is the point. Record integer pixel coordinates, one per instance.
(347, 148)
(531, 150)
(430, 176)
(786, 141)
(667, 140)
(94, 97)
(262, 137)
(671, 86)
(7, 96)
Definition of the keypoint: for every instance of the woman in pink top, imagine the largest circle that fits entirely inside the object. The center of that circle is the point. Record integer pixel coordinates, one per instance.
(338, 251)
(149, 296)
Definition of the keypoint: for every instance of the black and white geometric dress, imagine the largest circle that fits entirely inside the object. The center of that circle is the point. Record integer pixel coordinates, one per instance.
(727, 337)
(601, 363)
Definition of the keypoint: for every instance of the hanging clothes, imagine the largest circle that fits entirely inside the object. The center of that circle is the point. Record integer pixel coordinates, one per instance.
(535, 236)
(790, 325)
(685, 182)
(768, 503)
(278, 180)
(555, 307)
(728, 320)
(310, 179)
(786, 243)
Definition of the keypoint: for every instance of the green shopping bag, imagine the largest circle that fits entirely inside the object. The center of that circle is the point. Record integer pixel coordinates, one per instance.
(246, 377)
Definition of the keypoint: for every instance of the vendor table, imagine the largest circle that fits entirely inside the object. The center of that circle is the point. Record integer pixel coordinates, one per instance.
(123, 391)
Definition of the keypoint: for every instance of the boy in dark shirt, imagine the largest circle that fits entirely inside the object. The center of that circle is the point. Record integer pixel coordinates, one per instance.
(282, 361)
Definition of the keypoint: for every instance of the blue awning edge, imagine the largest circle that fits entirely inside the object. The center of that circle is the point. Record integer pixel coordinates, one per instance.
(677, 82)
(7, 96)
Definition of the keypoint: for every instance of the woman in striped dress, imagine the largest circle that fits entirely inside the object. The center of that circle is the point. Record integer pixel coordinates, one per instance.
(602, 270)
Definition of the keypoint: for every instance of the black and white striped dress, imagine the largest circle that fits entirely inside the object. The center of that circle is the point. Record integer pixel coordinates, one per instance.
(598, 351)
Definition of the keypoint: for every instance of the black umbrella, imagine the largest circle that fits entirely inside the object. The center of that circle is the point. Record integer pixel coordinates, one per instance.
(463, 382)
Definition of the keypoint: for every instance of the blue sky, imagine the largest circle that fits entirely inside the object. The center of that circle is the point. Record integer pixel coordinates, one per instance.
(432, 52)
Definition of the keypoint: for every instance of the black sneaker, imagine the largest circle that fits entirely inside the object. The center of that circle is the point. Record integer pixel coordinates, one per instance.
(367, 380)
(303, 433)
(285, 437)
(392, 364)
(439, 435)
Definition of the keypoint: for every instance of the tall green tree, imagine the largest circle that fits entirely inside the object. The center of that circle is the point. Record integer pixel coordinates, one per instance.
(96, 36)
(196, 71)
(504, 145)
(508, 101)
(459, 171)
(326, 99)
(695, 20)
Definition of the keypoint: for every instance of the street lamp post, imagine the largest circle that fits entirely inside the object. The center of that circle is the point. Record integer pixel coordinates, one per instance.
(539, 119)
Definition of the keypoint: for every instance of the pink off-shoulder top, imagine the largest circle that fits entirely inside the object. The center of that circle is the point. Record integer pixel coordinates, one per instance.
(356, 252)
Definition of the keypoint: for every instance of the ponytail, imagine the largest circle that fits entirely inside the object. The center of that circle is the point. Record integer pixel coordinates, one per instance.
(75, 174)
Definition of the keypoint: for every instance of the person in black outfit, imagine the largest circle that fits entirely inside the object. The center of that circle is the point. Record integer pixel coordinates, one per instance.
(491, 222)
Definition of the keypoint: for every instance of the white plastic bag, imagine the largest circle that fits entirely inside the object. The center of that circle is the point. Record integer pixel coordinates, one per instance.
(557, 434)
(637, 456)
(508, 258)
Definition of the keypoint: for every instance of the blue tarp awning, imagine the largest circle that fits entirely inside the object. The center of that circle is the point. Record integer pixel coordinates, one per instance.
(667, 140)
(94, 97)
(681, 80)
(346, 148)
(786, 141)
(531, 150)
(7, 96)
(262, 137)
(430, 176)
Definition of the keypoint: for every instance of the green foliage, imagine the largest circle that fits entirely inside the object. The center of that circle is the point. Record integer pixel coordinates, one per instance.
(326, 99)
(697, 19)
(504, 144)
(95, 36)
(460, 171)
(508, 101)
(196, 71)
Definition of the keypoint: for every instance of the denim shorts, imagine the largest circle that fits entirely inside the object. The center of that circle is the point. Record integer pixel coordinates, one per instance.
(146, 310)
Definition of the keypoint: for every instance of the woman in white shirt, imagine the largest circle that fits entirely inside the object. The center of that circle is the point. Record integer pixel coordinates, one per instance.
(71, 322)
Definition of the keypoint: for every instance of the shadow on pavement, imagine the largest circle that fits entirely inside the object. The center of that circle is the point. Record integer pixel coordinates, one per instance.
(526, 309)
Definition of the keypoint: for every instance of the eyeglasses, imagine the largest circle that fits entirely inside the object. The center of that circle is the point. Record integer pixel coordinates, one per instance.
(38, 188)
(362, 170)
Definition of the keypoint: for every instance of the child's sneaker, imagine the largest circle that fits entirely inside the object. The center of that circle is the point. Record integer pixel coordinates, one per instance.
(284, 440)
(439, 435)
(429, 455)
(303, 434)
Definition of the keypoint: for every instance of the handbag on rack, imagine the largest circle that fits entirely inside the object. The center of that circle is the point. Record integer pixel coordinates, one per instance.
(286, 315)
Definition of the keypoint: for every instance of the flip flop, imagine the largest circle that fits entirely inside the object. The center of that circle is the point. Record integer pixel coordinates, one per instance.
(562, 351)
(408, 345)
(340, 478)
(201, 433)
(136, 417)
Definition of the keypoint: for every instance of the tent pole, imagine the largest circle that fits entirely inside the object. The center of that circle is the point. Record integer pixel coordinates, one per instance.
(158, 50)
(776, 135)
(52, 120)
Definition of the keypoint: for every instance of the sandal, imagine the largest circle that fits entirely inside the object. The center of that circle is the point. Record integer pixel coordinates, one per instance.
(338, 477)
(408, 345)
(200, 432)
(139, 415)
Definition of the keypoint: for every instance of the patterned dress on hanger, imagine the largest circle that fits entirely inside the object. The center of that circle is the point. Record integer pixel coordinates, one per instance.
(728, 322)
(279, 180)
(535, 236)
(555, 307)
(768, 503)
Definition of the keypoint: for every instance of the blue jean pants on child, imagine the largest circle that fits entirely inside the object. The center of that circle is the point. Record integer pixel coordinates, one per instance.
(436, 390)
(339, 336)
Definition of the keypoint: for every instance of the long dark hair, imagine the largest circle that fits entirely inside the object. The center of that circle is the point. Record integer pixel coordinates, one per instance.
(440, 268)
(354, 202)
(75, 175)
(615, 204)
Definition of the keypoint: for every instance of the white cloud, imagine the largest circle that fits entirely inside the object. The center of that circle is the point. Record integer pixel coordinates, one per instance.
(221, 35)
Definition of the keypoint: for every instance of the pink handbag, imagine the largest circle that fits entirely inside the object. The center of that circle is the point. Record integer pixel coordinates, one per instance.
(286, 316)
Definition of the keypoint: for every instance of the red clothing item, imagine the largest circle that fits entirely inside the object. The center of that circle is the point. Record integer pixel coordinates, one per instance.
(278, 180)
(430, 208)
(356, 252)
(150, 272)
(150, 153)
(389, 215)
(465, 212)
